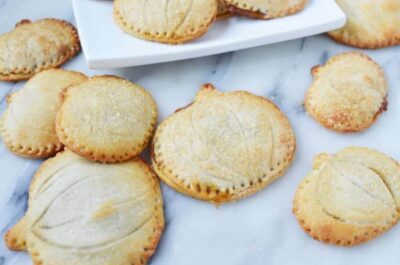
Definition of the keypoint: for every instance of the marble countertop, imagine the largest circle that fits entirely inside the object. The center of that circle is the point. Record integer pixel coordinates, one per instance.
(260, 229)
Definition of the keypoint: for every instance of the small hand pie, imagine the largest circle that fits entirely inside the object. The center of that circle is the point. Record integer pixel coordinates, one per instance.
(106, 119)
(370, 24)
(81, 212)
(265, 9)
(34, 46)
(223, 146)
(348, 93)
(165, 21)
(350, 197)
(28, 124)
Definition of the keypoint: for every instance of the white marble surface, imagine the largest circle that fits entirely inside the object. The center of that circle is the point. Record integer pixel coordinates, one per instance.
(260, 229)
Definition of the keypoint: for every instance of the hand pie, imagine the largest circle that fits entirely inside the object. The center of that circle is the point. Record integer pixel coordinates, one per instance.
(34, 46)
(350, 197)
(348, 93)
(28, 124)
(83, 213)
(370, 24)
(106, 119)
(265, 9)
(223, 146)
(165, 21)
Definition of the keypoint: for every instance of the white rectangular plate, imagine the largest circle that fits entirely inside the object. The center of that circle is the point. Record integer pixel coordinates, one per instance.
(106, 46)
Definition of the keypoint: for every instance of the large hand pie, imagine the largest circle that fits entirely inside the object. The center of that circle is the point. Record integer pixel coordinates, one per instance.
(224, 146)
(81, 212)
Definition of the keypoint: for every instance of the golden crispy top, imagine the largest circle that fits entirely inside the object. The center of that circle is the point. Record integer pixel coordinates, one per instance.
(348, 92)
(107, 116)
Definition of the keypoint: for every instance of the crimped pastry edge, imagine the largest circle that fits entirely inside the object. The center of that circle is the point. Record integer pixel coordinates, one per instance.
(27, 151)
(173, 39)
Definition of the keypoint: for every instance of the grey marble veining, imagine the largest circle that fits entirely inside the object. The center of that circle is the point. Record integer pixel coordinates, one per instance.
(260, 229)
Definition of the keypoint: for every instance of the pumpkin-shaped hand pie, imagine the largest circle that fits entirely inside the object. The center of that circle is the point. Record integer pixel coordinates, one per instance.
(350, 197)
(348, 93)
(224, 146)
(165, 21)
(370, 23)
(265, 9)
(81, 212)
(34, 46)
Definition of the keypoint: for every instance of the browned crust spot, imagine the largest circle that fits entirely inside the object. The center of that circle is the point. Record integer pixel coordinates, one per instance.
(224, 15)
(14, 243)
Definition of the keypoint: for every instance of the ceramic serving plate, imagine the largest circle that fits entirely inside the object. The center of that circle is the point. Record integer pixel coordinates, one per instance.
(106, 46)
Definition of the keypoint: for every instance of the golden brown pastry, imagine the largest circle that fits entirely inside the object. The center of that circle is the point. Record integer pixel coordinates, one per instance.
(81, 212)
(28, 124)
(170, 22)
(222, 10)
(370, 24)
(350, 197)
(106, 119)
(223, 146)
(34, 46)
(348, 93)
(265, 9)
